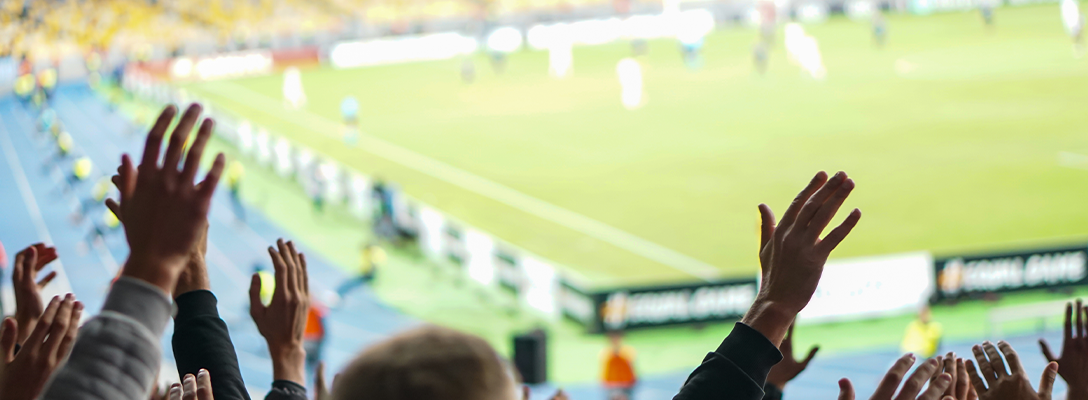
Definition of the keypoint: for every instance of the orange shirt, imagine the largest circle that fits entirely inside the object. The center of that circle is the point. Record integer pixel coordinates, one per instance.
(315, 329)
(618, 369)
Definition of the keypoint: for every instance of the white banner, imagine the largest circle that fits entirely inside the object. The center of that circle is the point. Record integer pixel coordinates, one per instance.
(871, 287)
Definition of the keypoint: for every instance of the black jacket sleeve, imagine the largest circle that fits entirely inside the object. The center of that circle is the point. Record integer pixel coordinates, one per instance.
(201, 340)
(286, 390)
(772, 392)
(737, 370)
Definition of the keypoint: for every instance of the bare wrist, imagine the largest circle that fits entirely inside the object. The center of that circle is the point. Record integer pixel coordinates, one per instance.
(288, 363)
(770, 318)
(161, 273)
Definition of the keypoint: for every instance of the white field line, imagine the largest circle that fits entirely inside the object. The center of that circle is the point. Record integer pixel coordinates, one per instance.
(474, 183)
(60, 285)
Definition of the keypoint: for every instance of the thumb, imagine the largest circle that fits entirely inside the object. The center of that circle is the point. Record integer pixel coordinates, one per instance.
(320, 392)
(811, 355)
(8, 331)
(1046, 383)
(846, 389)
(766, 228)
(255, 305)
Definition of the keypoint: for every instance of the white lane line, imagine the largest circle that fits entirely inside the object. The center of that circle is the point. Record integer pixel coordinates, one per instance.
(474, 183)
(61, 282)
(227, 266)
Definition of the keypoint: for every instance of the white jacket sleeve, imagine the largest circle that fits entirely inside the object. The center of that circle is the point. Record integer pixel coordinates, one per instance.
(118, 352)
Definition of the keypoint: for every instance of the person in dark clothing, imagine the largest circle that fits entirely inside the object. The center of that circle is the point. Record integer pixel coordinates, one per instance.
(792, 258)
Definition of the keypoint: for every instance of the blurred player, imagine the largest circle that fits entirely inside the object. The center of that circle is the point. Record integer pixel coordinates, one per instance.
(986, 9)
(760, 57)
(293, 93)
(767, 20)
(880, 27)
(690, 47)
(923, 335)
(560, 57)
(24, 87)
(629, 73)
(235, 172)
(349, 110)
(47, 79)
(803, 50)
(64, 150)
(99, 191)
(102, 228)
(371, 258)
(46, 119)
(468, 70)
(618, 367)
(1074, 25)
(81, 170)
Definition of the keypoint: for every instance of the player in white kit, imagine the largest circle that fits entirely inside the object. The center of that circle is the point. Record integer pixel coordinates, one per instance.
(292, 88)
(630, 74)
(1074, 24)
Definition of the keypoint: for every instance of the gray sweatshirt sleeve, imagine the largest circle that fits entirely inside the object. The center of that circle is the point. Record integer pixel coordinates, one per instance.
(118, 352)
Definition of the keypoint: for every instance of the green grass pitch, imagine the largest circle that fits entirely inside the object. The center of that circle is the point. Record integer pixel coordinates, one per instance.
(952, 131)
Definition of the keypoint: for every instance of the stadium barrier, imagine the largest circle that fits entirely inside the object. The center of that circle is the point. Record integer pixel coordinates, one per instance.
(973, 276)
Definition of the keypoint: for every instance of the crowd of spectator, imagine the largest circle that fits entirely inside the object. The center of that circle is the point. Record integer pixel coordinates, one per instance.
(163, 209)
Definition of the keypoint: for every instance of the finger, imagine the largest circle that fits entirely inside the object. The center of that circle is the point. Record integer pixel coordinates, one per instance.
(154, 138)
(255, 306)
(26, 275)
(175, 391)
(115, 208)
(984, 365)
(976, 381)
(293, 268)
(203, 385)
(811, 355)
(1046, 350)
(281, 272)
(1080, 321)
(17, 269)
(305, 274)
(59, 329)
(995, 359)
(1068, 332)
(836, 235)
(948, 365)
(73, 331)
(827, 210)
(192, 160)
(46, 255)
(963, 382)
(918, 379)
(45, 281)
(1013, 359)
(808, 211)
(319, 381)
(177, 141)
(34, 341)
(207, 187)
(846, 390)
(8, 334)
(116, 179)
(891, 380)
(128, 181)
(798, 202)
(937, 388)
(766, 227)
(188, 387)
(1046, 383)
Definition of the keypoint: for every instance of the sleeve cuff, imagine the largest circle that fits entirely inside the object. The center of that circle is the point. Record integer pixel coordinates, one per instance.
(288, 386)
(750, 351)
(197, 303)
(140, 301)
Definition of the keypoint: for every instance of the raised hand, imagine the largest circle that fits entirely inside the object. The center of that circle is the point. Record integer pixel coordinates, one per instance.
(912, 388)
(1073, 363)
(999, 383)
(164, 214)
(283, 321)
(321, 390)
(23, 375)
(792, 255)
(28, 289)
(195, 274)
(788, 368)
(197, 387)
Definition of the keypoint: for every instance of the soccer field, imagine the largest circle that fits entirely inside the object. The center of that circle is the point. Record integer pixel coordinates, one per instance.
(960, 138)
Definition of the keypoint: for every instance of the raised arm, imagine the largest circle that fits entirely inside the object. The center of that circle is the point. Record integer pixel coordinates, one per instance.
(792, 258)
(283, 320)
(201, 338)
(117, 353)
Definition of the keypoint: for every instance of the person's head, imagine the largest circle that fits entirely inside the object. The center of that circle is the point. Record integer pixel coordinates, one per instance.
(924, 315)
(615, 339)
(428, 363)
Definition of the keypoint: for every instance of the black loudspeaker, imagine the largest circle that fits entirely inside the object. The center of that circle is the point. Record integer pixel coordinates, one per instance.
(531, 356)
